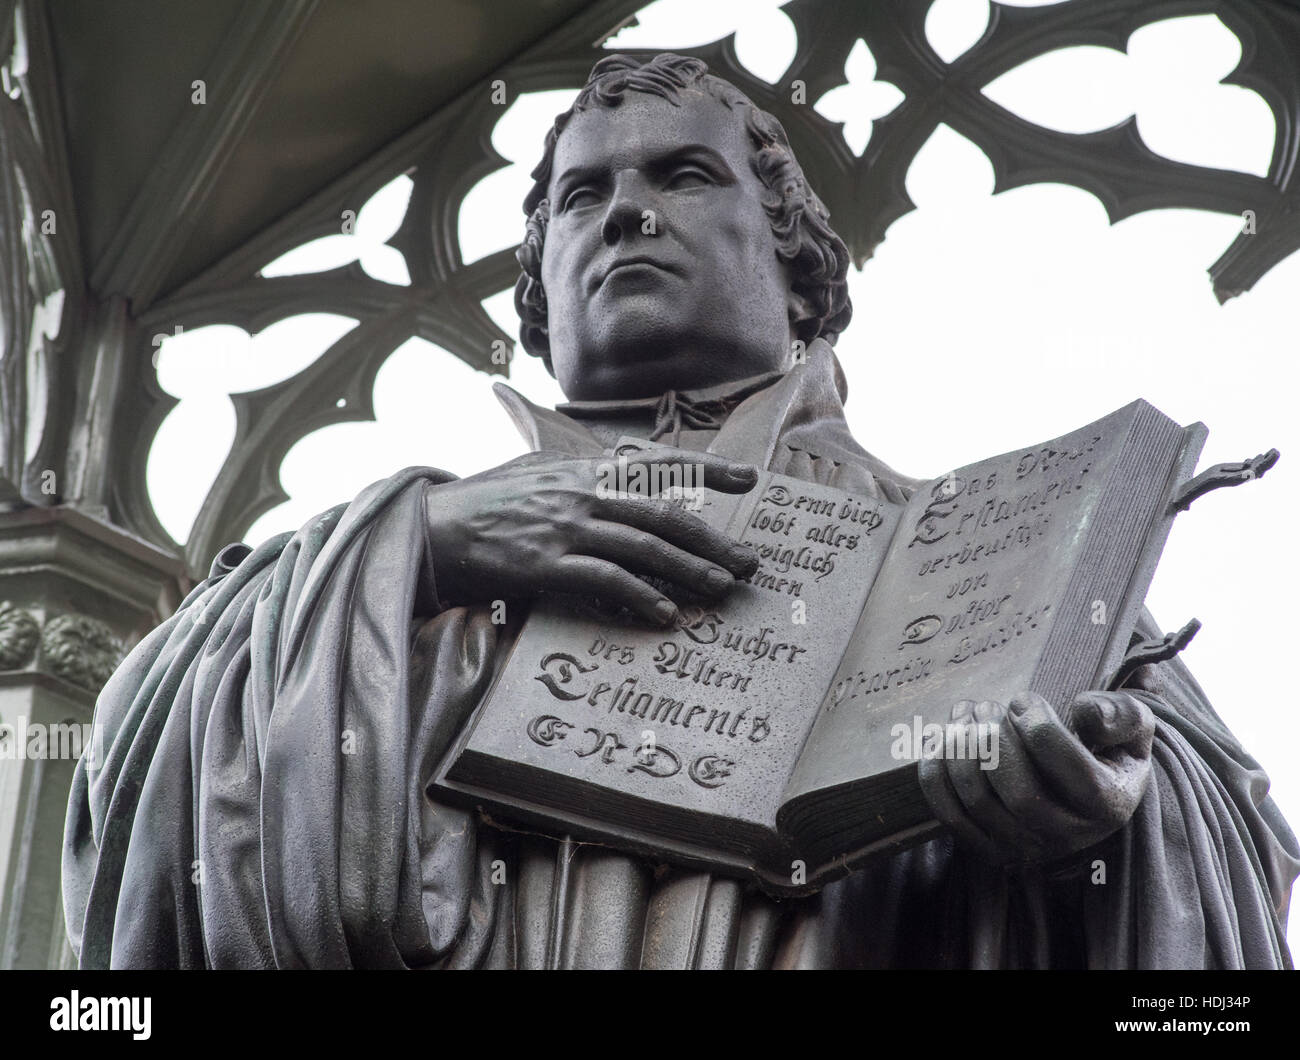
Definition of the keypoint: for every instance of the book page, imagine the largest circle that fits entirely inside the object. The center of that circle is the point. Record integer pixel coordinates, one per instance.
(973, 587)
(708, 716)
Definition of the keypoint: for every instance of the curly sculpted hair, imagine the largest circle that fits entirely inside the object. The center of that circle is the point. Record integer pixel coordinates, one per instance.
(804, 238)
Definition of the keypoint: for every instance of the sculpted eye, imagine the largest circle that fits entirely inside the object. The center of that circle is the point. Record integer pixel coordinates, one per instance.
(684, 179)
(580, 197)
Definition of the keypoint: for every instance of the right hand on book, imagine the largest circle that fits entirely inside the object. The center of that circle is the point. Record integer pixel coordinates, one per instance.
(543, 522)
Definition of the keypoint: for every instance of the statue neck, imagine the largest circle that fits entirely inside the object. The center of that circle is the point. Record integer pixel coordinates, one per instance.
(684, 418)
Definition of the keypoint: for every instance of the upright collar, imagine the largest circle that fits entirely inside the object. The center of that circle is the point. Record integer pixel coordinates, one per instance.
(675, 411)
(802, 408)
(723, 397)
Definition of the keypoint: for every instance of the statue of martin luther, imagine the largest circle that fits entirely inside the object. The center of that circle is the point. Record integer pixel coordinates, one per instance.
(262, 800)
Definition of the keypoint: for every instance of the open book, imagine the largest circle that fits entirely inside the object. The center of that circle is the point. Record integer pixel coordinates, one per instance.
(776, 734)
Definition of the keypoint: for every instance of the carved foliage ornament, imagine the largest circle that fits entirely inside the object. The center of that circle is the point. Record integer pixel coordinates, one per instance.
(19, 635)
(81, 650)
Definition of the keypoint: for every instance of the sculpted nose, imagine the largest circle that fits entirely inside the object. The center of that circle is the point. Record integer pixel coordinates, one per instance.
(623, 215)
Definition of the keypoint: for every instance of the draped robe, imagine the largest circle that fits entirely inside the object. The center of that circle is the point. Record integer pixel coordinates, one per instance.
(261, 798)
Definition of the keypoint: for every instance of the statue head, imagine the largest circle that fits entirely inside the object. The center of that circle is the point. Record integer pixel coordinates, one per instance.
(672, 240)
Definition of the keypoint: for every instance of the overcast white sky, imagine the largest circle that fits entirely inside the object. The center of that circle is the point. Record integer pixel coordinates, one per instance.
(982, 324)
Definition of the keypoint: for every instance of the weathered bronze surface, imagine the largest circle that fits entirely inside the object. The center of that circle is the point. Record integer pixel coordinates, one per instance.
(261, 801)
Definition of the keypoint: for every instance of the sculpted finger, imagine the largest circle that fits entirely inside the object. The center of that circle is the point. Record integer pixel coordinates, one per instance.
(971, 784)
(1069, 770)
(705, 469)
(939, 792)
(640, 550)
(1102, 790)
(1045, 823)
(1112, 720)
(667, 521)
(1119, 729)
(611, 583)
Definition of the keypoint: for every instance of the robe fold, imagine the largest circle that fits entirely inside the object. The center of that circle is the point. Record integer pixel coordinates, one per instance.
(261, 801)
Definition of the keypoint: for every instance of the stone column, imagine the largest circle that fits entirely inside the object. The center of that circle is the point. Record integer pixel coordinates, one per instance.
(75, 594)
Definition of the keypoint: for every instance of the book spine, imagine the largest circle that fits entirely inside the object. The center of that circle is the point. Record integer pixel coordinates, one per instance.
(1144, 570)
(1125, 537)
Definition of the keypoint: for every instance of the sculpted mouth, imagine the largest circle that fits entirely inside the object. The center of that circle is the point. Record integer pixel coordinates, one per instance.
(623, 263)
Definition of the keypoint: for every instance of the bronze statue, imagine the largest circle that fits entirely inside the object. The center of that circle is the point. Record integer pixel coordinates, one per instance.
(262, 799)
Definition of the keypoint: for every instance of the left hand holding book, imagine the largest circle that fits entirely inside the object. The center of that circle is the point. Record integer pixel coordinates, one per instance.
(1042, 788)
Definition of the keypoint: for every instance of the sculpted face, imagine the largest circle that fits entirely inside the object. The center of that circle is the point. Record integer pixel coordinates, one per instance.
(688, 295)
